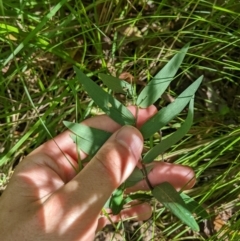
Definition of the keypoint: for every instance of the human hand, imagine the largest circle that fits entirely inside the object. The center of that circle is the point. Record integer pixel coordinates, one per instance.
(47, 200)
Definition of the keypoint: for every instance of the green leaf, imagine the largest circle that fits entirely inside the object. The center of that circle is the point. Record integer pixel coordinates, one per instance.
(171, 199)
(174, 138)
(117, 85)
(89, 139)
(166, 114)
(161, 80)
(112, 107)
(194, 207)
(136, 176)
(143, 197)
(116, 201)
(107, 204)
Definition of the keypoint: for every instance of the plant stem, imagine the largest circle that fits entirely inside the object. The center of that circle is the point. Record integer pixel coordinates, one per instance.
(145, 174)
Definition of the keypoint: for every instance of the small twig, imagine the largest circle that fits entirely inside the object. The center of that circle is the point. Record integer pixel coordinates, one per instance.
(136, 118)
(160, 139)
(143, 169)
(145, 175)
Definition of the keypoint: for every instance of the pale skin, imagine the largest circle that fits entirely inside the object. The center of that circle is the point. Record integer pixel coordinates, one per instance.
(47, 200)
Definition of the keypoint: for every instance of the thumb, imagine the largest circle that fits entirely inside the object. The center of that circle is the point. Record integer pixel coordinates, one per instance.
(111, 166)
(113, 163)
(118, 157)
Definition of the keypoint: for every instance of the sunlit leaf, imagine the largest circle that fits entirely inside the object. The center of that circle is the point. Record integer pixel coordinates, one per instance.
(194, 207)
(159, 83)
(107, 204)
(166, 114)
(171, 199)
(89, 139)
(172, 139)
(116, 201)
(112, 107)
(117, 85)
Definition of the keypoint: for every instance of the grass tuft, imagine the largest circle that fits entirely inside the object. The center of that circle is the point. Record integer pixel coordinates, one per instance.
(42, 40)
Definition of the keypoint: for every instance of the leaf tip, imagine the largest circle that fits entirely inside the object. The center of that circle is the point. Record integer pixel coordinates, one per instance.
(75, 68)
(66, 123)
(185, 48)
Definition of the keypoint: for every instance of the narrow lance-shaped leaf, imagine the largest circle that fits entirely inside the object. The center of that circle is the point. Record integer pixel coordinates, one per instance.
(174, 138)
(171, 199)
(112, 107)
(194, 207)
(166, 114)
(159, 83)
(117, 85)
(89, 139)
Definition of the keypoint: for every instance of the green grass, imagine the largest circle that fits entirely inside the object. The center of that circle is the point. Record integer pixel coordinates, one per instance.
(42, 40)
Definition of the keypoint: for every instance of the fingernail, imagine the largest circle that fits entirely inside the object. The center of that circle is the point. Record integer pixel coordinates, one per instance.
(129, 137)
